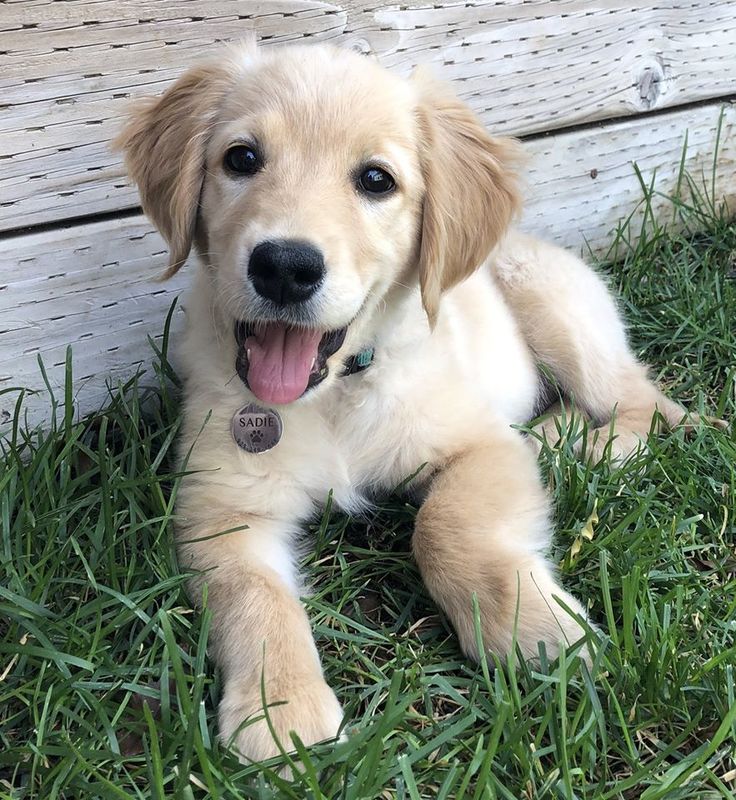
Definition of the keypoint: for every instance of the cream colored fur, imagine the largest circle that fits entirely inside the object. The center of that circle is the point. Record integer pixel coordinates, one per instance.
(460, 310)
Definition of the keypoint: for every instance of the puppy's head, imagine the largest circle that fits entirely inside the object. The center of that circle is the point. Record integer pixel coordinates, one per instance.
(316, 187)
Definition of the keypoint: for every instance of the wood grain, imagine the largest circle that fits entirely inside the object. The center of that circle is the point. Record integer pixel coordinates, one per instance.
(91, 286)
(69, 69)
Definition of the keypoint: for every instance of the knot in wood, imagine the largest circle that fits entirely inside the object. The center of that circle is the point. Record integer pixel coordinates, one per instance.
(649, 86)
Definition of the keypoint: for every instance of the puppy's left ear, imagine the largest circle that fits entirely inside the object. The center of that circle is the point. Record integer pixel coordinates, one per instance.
(471, 190)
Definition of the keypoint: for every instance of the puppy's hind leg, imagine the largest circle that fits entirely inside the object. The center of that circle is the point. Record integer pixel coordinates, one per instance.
(570, 320)
(560, 423)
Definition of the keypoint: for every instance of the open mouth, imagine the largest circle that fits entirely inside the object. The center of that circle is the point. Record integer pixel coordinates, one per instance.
(278, 362)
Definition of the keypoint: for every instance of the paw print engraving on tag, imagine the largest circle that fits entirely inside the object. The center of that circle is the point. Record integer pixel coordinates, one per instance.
(256, 437)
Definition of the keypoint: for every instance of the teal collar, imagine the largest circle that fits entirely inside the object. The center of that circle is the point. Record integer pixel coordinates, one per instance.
(358, 362)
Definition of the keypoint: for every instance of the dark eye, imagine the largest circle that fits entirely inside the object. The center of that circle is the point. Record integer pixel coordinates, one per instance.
(376, 181)
(243, 160)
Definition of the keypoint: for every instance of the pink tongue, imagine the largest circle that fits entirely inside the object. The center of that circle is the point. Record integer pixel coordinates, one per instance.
(280, 360)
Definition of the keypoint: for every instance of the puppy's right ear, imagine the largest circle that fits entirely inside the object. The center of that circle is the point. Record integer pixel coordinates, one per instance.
(164, 144)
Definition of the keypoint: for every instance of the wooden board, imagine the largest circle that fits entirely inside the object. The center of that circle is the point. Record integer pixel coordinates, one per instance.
(91, 286)
(68, 70)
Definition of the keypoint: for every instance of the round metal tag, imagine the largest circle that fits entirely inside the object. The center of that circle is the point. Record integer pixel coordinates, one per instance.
(256, 429)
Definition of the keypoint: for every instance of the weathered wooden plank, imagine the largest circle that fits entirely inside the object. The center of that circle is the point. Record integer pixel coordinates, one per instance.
(582, 184)
(91, 286)
(68, 69)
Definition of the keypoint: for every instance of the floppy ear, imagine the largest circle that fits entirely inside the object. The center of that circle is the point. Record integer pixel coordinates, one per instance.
(164, 144)
(471, 191)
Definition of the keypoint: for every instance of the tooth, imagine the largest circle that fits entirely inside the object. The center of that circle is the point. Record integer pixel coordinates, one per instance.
(311, 367)
(247, 352)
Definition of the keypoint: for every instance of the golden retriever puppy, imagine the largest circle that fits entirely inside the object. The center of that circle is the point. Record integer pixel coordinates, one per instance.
(361, 308)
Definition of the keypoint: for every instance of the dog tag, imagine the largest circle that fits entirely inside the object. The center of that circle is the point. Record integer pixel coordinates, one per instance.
(256, 429)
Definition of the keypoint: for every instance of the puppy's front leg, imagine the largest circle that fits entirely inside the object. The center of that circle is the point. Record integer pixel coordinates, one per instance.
(260, 635)
(483, 530)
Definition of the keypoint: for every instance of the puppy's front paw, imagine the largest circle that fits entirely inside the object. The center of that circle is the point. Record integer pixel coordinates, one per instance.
(310, 710)
(544, 617)
(524, 606)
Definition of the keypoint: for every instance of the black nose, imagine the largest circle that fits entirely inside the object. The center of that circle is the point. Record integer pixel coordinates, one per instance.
(286, 271)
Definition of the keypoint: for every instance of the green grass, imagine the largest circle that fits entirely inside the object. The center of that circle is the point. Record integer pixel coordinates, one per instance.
(106, 691)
